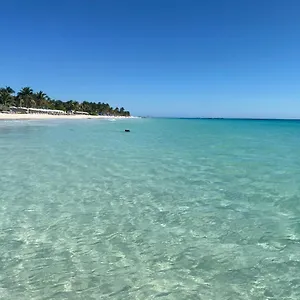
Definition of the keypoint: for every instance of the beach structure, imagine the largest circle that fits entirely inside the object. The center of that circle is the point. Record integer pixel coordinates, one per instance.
(25, 110)
(76, 112)
(80, 113)
(46, 111)
(19, 110)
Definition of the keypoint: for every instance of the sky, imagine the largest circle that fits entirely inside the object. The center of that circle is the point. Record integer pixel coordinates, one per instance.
(174, 58)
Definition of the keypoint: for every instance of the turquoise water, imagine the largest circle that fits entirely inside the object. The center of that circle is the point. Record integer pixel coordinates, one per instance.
(176, 209)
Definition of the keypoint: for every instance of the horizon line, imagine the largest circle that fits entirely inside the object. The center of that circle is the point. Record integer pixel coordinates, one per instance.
(223, 118)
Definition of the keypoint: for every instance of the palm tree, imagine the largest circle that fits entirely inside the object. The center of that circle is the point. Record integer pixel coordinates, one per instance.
(50, 103)
(85, 106)
(9, 90)
(116, 111)
(6, 99)
(71, 105)
(25, 97)
(76, 105)
(58, 104)
(40, 99)
(106, 109)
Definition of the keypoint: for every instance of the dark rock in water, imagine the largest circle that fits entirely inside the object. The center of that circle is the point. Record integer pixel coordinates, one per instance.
(127, 130)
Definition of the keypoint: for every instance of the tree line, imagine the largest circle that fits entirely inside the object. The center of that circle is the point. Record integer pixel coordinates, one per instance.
(26, 97)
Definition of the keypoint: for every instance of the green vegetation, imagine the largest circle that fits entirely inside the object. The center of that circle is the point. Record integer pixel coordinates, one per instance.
(26, 97)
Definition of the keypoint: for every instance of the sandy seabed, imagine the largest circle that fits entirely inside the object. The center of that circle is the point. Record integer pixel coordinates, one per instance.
(6, 116)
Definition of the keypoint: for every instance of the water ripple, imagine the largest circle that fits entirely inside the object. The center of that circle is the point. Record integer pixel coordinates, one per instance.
(209, 213)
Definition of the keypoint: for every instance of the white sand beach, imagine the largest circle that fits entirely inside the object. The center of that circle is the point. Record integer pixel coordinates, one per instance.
(8, 116)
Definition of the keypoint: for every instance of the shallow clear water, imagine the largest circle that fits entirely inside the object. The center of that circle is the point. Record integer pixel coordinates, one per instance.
(176, 209)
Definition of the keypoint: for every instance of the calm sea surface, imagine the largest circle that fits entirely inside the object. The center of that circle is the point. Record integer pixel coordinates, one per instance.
(176, 209)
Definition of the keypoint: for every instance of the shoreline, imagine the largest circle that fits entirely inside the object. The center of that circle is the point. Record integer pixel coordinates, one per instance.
(7, 116)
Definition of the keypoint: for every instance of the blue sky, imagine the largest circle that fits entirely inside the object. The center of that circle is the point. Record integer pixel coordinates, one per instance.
(227, 58)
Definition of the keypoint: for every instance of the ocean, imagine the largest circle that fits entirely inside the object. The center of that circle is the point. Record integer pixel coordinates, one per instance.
(175, 209)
